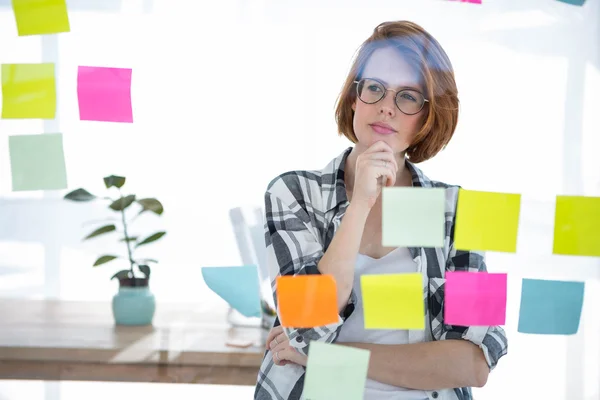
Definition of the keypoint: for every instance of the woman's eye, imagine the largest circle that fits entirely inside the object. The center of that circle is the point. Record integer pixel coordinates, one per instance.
(374, 88)
(407, 96)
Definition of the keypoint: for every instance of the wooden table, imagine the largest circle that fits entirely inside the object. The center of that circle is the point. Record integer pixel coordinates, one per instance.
(68, 340)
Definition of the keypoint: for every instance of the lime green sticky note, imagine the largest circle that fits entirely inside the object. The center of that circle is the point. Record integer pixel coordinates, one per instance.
(335, 372)
(487, 221)
(393, 301)
(28, 91)
(413, 217)
(577, 226)
(41, 17)
(37, 162)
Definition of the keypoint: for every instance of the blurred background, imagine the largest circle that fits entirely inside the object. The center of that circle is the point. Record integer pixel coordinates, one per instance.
(229, 94)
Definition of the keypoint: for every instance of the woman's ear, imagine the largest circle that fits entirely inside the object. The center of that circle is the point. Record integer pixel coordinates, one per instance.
(354, 106)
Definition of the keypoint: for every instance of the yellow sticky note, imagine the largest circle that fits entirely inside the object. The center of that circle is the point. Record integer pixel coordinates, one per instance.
(393, 301)
(41, 17)
(28, 91)
(577, 226)
(487, 221)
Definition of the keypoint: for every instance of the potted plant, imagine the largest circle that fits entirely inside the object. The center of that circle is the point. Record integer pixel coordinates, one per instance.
(134, 303)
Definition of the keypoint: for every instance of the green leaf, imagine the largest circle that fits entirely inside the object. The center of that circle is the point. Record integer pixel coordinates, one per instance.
(79, 195)
(151, 205)
(151, 238)
(98, 220)
(123, 202)
(123, 274)
(100, 231)
(104, 260)
(114, 181)
(147, 260)
(131, 239)
(144, 269)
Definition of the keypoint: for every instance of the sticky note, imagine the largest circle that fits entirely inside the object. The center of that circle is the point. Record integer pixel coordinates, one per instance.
(577, 226)
(238, 286)
(335, 372)
(28, 91)
(37, 162)
(487, 221)
(573, 2)
(104, 94)
(413, 217)
(41, 17)
(307, 301)
(550, 307)
(393, 301)
(475, 299)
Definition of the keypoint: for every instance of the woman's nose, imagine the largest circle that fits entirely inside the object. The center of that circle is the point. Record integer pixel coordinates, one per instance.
(387, 105)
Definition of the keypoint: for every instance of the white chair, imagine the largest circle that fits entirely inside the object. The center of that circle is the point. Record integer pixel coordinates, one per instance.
(248, 227)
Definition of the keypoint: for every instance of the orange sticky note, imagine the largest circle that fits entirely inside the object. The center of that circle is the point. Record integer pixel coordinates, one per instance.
(307, 301)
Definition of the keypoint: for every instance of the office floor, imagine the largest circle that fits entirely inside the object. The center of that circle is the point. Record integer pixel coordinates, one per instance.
(74, 390)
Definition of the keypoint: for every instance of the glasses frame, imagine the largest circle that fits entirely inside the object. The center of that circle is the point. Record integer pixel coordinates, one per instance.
(395, 97)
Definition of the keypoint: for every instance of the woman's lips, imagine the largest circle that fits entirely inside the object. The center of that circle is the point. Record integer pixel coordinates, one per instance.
(382, 130)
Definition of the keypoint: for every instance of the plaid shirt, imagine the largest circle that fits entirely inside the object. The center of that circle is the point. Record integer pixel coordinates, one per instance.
(303, 210)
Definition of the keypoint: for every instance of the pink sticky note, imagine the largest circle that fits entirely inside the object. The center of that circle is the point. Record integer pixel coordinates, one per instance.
(475, 299)
(104, 94)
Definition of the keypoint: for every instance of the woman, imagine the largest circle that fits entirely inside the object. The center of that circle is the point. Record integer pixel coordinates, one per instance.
(399, 106)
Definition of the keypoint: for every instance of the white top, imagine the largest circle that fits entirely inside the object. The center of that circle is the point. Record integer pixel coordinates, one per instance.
(353, 330)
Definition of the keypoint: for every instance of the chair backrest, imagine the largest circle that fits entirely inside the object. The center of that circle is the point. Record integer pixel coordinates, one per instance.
(248, 228)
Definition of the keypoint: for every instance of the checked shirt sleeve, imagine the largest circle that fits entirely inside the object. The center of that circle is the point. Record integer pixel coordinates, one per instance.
(294, 247)
(491, 339)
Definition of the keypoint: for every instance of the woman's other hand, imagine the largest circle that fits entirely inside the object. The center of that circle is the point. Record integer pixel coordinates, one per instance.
(281, 351)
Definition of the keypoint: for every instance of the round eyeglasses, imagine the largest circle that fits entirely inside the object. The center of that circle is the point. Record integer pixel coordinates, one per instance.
(408, 101)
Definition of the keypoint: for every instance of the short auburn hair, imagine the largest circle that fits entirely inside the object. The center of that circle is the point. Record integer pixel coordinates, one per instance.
(429, 59)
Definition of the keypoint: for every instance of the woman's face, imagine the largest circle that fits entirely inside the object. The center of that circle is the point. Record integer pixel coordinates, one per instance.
(387, 66)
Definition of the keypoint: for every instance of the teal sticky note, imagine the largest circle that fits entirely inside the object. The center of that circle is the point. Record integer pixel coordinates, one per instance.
(550, 307)
(573, 2)
(37, 162)
(335, 372)
(413, 217)
(238, 286)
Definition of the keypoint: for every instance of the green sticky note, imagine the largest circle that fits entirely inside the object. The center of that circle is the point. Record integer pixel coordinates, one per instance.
(28, 91)
(413, 217)
(37, 162)
(41, 17)
(335, 372)
(577, 226)
(487, 221)
(393, 301)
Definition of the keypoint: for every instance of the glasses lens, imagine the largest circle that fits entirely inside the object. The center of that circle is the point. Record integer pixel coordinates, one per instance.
(409, 101)
(370, 91)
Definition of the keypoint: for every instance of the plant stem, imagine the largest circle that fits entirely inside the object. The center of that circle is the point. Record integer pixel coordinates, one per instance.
(131, 262)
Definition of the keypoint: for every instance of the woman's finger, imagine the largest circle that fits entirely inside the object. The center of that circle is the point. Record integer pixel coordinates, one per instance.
(289, 354)
(281, 357)
(280, 339)
(275, 342)
(275, 331)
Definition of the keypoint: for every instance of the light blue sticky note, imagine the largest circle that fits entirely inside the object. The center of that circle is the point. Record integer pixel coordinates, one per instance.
(550, 307)
(238, 286)
(413, 217)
